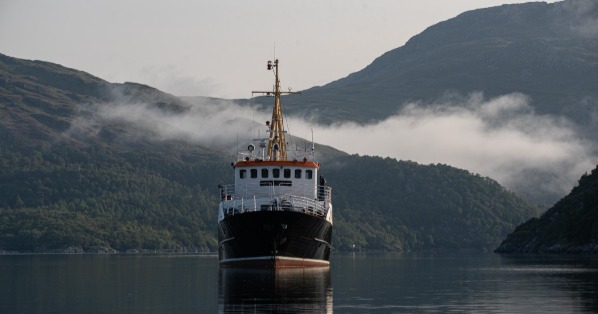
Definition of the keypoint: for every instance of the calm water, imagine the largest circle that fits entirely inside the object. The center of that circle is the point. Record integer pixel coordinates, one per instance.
(355, 283)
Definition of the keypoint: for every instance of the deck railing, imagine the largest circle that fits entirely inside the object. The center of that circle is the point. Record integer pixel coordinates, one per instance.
(278, 198)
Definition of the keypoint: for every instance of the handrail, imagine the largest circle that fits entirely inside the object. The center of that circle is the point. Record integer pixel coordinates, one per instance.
(229, 192)
(233, 204)
(313, 207)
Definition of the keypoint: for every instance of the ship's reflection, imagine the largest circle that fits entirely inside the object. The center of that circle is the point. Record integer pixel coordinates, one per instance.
(306, 290)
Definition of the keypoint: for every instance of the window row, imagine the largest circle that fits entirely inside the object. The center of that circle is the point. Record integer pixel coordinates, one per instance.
(276, 173)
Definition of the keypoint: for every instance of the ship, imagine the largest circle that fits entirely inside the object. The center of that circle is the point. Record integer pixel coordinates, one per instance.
(278, 211)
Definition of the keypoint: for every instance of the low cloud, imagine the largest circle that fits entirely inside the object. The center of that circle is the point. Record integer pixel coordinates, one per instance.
(585, 16)
(214, 125)
(502, 138)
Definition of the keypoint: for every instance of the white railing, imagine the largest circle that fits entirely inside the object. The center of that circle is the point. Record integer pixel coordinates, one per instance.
(273, 198)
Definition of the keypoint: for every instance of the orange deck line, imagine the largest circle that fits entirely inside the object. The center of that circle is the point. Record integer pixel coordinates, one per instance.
(277, 163)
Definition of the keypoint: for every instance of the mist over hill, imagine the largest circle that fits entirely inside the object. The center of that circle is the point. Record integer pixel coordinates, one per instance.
(548, 52)
(508, 92)
(92, 166)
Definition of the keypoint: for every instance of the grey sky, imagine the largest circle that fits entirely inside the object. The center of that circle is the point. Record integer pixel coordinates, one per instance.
(215, 48)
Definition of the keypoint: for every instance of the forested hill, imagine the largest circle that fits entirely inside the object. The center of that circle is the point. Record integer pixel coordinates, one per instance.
(387, 204)
(72, 180)
(570, 226)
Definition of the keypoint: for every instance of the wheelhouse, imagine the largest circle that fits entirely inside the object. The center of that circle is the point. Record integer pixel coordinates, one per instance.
(276, 185)
(300, 178)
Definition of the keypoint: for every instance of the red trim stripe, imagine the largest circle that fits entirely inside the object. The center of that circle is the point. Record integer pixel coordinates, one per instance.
(277, 163)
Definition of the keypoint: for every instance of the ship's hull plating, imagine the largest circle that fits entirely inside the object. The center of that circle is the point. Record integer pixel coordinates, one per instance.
(274, 239)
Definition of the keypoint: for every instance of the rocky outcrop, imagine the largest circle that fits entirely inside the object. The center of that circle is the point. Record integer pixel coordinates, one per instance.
(570, 226)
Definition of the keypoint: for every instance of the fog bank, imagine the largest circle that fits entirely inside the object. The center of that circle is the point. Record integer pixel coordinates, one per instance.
(502, 138)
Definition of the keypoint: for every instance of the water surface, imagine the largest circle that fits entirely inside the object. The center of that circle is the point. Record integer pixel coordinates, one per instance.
(355, 283)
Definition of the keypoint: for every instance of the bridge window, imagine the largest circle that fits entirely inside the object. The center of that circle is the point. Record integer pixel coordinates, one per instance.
(264, 172)
(276, 173)
(297, 173)
(242, 173)
(254, 173)
(309, 174)
(287, 173)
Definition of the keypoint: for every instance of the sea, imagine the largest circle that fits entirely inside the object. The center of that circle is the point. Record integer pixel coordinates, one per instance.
(354, 283)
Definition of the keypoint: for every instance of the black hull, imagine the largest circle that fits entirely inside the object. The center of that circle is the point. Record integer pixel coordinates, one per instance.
(274, 239)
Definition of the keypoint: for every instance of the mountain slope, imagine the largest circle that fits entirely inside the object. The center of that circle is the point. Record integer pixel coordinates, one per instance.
(385, 204)
(74, 179)
(545, 55)
(546, 51)
(44, 100)
(570, 226)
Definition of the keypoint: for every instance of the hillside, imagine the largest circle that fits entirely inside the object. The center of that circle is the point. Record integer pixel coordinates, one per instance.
(546, 51)
(385, 204)
(59, 196)
(570, 226)
(73, 178)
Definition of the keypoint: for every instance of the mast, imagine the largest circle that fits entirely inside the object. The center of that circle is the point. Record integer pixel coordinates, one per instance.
(277, 145)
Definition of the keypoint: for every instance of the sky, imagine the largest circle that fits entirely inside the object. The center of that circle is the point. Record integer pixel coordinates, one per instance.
(220, 49)
(217, 48)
